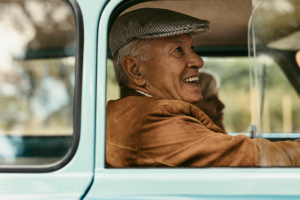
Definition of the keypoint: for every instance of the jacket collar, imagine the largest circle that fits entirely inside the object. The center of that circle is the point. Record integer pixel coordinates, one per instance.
(130, 92)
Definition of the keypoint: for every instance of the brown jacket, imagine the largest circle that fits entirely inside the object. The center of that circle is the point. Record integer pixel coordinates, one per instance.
(150, 132)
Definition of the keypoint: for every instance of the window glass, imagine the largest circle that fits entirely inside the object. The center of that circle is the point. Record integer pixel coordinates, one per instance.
(37, 80)
(275, 42)
(275, 76)
(234, 91)
(280, 105)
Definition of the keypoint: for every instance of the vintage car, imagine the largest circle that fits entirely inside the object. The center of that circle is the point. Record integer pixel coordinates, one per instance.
(57, 76)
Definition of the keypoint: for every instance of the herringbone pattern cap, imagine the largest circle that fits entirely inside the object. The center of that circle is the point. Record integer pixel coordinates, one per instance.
(149, 23)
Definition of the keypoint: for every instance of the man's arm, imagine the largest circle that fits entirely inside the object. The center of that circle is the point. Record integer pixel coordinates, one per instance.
(174, 139)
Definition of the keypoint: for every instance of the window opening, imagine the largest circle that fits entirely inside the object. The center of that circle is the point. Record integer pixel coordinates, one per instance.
(37, 81)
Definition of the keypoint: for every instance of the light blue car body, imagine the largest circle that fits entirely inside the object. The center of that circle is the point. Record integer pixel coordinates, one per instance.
(85, 176)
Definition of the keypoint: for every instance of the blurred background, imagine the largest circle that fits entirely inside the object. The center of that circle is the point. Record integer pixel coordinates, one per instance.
(37, 80)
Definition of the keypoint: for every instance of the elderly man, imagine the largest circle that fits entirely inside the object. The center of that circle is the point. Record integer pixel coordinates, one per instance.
(154, 124)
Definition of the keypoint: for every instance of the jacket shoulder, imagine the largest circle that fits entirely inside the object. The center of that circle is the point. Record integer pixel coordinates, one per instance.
(124, 117)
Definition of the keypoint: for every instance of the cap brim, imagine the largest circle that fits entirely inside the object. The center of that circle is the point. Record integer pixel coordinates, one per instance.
(192, 30)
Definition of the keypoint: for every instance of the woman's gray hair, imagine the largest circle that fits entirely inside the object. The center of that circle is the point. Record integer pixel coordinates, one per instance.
(209, 83)
(138, 48)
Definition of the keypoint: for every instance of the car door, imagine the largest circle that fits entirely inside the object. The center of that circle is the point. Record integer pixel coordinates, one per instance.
(190, 183)
(48, 91)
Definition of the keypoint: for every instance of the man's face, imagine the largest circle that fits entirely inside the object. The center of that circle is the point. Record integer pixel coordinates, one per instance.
(172, 71)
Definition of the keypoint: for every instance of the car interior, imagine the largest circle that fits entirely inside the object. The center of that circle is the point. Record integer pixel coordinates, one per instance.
(251, 47)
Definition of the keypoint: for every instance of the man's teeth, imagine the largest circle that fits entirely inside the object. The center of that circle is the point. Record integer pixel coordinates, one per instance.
(192, 79)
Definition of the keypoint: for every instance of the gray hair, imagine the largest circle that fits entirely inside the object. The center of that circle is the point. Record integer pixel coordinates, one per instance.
(138, 48)
(209, 83)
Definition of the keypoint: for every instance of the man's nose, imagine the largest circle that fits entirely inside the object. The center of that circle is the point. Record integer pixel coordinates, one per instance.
(194, 60)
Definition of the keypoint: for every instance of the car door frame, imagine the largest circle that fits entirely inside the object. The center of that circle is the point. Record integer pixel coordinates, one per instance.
(72, 179)
(218, 182)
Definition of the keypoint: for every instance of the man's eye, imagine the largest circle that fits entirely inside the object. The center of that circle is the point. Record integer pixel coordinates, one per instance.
(178, 52)
(178, 49)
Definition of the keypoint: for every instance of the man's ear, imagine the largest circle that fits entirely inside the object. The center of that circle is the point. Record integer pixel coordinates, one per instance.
(134, 70)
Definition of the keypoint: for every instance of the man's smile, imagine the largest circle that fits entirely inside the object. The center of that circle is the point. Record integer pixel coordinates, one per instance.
(193, 80)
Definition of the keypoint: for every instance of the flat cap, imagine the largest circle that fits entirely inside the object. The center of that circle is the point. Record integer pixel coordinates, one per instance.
(147, 23)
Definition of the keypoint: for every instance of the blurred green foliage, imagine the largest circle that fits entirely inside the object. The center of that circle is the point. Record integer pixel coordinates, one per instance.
(112, 88)
(236, 95)
(36, 96)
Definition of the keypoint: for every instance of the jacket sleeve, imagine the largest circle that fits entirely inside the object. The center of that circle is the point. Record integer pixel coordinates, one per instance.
(174, 139)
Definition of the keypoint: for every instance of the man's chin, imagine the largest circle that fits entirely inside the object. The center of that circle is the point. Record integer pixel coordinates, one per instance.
(193, 99)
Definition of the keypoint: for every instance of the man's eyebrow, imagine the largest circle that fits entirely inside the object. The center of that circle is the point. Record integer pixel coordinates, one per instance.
(178, 42)
(181, 42)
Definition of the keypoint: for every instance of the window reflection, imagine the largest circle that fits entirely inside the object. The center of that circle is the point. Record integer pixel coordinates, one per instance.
(275, 73)
(280, 106)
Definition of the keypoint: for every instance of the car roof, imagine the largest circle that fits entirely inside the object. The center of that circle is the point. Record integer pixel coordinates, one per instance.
(228, 19)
